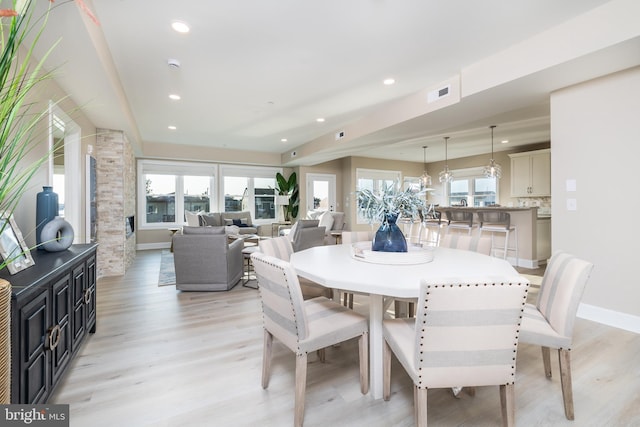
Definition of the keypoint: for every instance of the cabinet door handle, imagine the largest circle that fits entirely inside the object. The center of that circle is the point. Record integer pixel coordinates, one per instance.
(54, 336)
(87, 296)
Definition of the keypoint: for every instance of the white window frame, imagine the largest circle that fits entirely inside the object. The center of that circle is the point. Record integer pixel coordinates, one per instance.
(468, 173)
(250, 172)
(177, 169)
(377, 175)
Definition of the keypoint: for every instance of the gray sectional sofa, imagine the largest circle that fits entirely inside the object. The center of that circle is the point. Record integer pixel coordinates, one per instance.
(242, 220)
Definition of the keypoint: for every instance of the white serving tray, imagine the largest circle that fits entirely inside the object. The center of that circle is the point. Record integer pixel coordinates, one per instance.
(361, 251)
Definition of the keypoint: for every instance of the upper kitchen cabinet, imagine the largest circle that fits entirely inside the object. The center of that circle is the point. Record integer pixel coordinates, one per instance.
(531, 174)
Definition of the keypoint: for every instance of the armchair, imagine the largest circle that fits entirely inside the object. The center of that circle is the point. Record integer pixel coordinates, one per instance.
(307, 234)
(205, 261)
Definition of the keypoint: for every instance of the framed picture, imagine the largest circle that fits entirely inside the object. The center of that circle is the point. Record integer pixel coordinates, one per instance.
(13, 250)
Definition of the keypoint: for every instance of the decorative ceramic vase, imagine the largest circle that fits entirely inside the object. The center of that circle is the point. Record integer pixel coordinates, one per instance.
(46, 210)
(389, 237)
(57, 235)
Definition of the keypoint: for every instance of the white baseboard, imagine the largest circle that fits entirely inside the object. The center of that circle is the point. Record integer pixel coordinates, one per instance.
(608, 317)
(151, 246)
(524, 263)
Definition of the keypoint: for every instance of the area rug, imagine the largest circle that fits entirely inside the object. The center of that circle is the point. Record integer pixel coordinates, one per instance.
(167, 274)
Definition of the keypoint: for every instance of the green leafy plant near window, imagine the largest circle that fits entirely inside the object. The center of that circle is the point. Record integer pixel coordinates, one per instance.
(289, 187)
(20, 76)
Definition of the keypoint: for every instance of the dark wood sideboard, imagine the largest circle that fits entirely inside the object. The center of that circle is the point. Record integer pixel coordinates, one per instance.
(53, 307)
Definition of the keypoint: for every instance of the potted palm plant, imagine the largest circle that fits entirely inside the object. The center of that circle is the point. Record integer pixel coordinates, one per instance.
(288, 188)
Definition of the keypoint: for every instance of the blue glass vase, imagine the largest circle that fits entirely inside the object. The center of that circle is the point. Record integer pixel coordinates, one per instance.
(46, 210)
(389, 237)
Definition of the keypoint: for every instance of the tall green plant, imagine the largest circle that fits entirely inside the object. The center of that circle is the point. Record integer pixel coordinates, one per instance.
(289, 187)
(19, 116)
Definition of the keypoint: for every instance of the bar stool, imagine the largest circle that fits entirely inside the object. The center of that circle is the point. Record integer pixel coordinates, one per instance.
(459, 219)
(432, 226)
(499, 222)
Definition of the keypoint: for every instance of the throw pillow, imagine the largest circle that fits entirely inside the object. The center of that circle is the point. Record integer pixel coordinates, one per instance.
(212, 219)
(193, 218)
(242, 222)
(292, 231)
(326, 221)
(228, 221)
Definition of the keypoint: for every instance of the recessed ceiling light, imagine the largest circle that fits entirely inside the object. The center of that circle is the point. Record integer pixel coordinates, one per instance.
(389, 82)
(505, 141)
(174, 96)
(320, 119)
(283, 140)
(180, 26)
(171, 127)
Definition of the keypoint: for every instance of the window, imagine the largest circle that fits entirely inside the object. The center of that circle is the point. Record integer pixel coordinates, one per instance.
(167, 189)
(250, 189)
(472, 186)
(375, 180)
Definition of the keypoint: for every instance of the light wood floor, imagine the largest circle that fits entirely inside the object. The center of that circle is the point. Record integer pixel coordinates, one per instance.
(166, 358)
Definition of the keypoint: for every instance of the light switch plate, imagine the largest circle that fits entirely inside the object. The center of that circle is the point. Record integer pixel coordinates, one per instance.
(571, 185)
(572, 205)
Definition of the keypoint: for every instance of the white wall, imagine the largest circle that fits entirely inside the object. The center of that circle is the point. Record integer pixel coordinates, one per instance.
(595, 140)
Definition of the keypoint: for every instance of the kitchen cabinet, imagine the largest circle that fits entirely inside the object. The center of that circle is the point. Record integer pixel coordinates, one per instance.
(531, 174)
(52, 310)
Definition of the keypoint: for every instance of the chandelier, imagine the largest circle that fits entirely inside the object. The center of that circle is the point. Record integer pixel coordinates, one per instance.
(493, 169)
(425, 179)
(446, 175)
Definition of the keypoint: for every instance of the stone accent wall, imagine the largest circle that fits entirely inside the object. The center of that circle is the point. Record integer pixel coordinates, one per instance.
(116, 178)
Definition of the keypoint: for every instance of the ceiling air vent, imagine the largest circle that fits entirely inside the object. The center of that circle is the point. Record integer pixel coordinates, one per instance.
(437, 94)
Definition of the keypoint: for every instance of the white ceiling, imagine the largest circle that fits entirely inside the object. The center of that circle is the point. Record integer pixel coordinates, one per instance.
(253, 72)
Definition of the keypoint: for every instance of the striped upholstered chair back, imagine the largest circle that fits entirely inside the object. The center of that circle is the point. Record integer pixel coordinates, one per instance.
(279, 247)
(349, 237)
(465, 333)
(468, 243)
(282, 302)
(560, 293)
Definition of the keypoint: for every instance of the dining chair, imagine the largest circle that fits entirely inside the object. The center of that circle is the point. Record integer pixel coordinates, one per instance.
(281, 248)
(465, 242)
(465, 333)
(303, 326)
(549, 323)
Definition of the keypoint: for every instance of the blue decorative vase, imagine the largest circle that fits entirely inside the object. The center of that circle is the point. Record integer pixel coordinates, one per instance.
(389, 237)
(46, 210)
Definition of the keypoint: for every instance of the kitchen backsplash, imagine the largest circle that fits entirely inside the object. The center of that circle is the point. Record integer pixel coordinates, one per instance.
(543, 203)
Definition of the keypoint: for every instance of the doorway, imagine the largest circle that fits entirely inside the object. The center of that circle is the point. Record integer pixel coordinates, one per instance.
(321, 192)
(65, 168)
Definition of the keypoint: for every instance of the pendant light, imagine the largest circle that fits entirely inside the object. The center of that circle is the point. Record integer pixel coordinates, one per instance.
(446, 175)
(425, 179)
(492, 170)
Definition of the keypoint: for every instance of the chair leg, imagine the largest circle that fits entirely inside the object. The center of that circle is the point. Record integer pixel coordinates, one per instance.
(564, 357)
(266, 358)
(421, 406)
(363, 347)
(507, 404)
(386, 372)
(546, 360)
(322, 355)
(301, 385)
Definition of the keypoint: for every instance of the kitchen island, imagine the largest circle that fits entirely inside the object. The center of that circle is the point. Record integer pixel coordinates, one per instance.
(524, 218)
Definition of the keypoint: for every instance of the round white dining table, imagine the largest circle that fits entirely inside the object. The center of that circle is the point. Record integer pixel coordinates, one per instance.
(333, 266)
